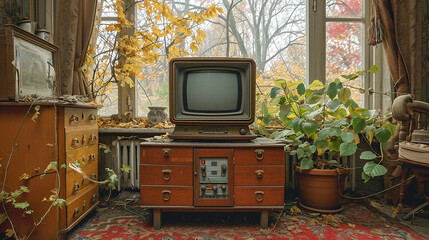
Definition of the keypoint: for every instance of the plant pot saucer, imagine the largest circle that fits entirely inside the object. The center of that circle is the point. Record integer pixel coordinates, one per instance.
(329, 211)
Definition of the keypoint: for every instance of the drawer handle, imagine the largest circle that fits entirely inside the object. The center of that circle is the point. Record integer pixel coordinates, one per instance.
(166, 152)
(75, 141)
(92, 156)
(259, 174)
(259, 154)
(93, 176)
(74, 119)
(259, 196)
(83, 159)
(94, 198)
(84, 204)
(76, 187)
(166, 194)
(92, 117)
(83, 138)
(92, 138)
(166, 174)
(76, 212)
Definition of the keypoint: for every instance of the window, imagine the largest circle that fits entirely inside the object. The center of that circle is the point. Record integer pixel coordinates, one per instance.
(297, 40)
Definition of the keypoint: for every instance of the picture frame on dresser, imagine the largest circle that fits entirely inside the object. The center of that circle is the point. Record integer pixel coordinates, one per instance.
(28, 65)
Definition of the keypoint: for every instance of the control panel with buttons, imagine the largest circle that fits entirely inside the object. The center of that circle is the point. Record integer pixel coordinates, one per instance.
(213, 180)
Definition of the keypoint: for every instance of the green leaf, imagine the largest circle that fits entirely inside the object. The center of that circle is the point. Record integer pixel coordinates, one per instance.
(42, 176)
(281, 83)
(15, 194)
(24, 189)
(367, 155)
(373, 170)
(264, 108)
(306, 164)
(54, 163)
(300, 153)
(63, 166)
(296, 124)
(347, 149)
(324, 133)
(301, 89)
(313, 99)
(335, 145)
(365, 177)
(374, 69)
(28, 212)
(21, 205)
(310, 127)
(382, 135)
(126, 168)
(312, 149)
(275, 91)
(37, 108)
(316, 85)
(267, 119)
(391, 128)
(284, 133)
(334, 104)
(284, 111)
(347, 137)
(358, 124)
(344, 94)
(332, 90)
(332, 161)
(312, 114)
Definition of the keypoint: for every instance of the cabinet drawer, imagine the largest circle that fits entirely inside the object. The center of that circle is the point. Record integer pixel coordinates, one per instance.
(166, 195)
(165, 175)
(259, 196)
(85, 156)
(259, 175)
(259, 156)
(80, 117)
(81, 204)
(75, 181)
(81, 138)
(167, 155)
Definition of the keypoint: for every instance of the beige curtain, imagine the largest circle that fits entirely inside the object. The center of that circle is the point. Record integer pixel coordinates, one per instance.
(74, 22)
(402, 37)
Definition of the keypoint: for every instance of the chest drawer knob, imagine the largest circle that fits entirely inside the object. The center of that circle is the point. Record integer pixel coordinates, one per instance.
(94, 198)
(74, 119)
(166, 152)
(166, 195)
(92, 117)
(259, 174)
(259, 196)
(93, 176)
(76, 212)
(92, 156)
(259, 154)
(76, 187)
(92, 138)
(75, 141)
(166, 174)
(84, 204)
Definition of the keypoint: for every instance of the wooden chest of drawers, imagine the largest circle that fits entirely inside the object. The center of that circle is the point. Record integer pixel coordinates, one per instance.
(212, 177)
(63, 134)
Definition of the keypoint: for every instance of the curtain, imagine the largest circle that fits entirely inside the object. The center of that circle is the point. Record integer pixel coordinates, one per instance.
(401, 22)
(75, 20)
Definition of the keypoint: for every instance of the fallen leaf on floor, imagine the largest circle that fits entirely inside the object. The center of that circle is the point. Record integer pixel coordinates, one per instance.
(295, 210)
(265, 231)
(294, 219)
(351, 225)
(331, 220)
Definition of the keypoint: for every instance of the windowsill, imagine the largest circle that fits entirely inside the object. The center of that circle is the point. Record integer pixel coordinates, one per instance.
(134, 131)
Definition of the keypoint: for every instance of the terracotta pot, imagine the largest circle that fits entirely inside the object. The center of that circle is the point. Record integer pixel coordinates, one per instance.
(321, 190)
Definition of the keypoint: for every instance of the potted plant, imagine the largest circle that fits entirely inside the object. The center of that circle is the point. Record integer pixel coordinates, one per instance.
(320, 124)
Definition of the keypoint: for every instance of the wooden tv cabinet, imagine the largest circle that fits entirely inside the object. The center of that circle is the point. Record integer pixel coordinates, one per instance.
(212, 176)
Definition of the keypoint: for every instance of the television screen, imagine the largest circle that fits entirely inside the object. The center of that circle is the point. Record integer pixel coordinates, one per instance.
(212, 91)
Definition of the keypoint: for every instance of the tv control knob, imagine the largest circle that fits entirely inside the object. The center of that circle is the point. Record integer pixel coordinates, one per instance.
(203, 167)
(243, 131)
(203, 188)
(223, 187)
(223, 167)
(214, 188)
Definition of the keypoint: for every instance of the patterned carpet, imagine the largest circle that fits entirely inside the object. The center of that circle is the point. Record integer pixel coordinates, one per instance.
(357, 221)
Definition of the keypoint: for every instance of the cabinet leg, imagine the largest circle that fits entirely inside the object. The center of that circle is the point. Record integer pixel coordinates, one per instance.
(156, 218)
(264, 218)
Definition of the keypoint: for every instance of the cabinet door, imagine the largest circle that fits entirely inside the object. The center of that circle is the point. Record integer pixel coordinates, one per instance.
(213, 177)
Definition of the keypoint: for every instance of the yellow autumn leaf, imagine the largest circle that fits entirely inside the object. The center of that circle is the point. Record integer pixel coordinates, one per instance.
(371, 135)
(316, 85)
(24, 176)
(194, 47)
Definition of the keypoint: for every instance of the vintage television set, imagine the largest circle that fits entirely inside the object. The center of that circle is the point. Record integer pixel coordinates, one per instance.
(212, 98)
(27, 65)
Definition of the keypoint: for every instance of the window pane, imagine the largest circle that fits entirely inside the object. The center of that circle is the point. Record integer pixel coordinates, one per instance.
(344, 53)
(344, 8)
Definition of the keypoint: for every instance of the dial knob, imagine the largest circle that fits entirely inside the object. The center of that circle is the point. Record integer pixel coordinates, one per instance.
(223, 187)
(214, 188)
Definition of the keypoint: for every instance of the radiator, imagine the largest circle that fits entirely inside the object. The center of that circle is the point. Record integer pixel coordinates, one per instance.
(349, 161)
(127, 153)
